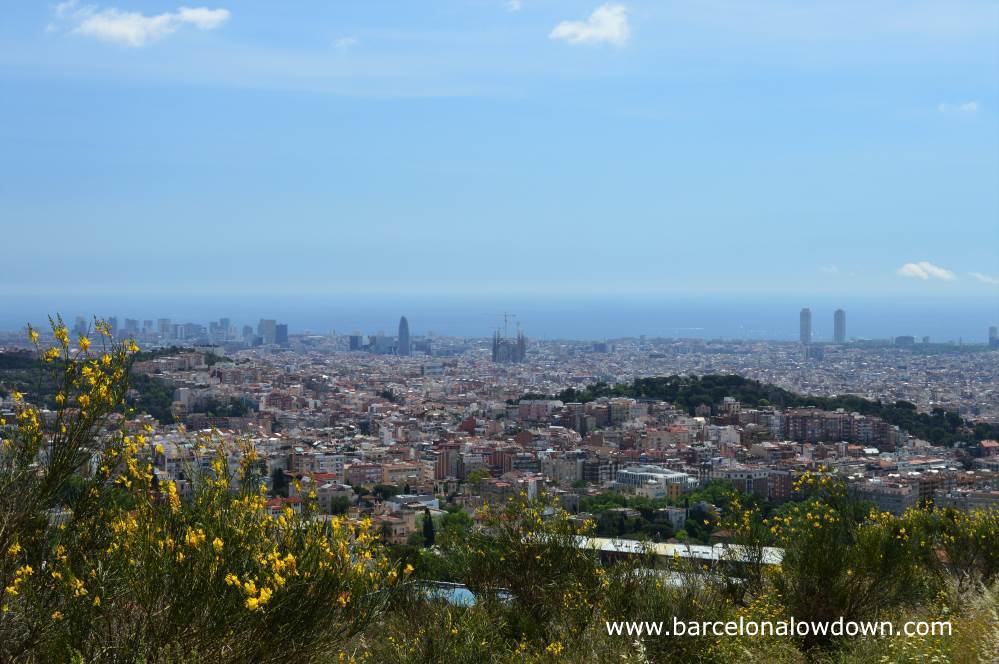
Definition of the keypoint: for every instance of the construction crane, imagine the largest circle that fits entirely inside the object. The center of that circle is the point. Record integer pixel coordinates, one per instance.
(506, 321)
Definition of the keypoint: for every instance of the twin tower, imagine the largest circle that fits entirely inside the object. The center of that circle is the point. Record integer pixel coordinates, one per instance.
(805, 326)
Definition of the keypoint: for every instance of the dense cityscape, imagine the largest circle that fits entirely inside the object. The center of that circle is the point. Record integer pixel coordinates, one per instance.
(431, 421)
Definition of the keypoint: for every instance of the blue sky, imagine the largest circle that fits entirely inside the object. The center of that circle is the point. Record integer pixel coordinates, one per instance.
(709, 146)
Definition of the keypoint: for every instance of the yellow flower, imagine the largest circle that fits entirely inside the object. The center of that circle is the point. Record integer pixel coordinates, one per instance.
(14, 549)
(106, 359)
(84, 343)
(195, 537)
(217, 544)
(252, 603)
(57, 616)
(408, 569)
(84, 400)
(132, 346)
(97, 600)
(33, 335)
(159, 449)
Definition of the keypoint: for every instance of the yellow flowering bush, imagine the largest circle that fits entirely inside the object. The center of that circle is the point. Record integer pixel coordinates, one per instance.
(131, 571)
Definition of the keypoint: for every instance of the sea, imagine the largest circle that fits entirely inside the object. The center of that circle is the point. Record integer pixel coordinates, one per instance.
(570, 317)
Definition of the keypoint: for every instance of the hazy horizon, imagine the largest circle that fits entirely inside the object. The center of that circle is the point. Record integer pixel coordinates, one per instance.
(566, 317)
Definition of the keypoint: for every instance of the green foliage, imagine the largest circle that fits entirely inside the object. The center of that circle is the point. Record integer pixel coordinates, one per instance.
(429, 530)
(131, 573)
(154, 396)
(528, 549)
(940, 427)
(211, 359)
(476, 477)
(225, 408)
(339, 505)
(385, 491)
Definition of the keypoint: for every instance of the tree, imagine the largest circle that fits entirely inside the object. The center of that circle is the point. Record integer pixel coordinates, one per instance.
(428, 528)
(339, 505)
(385, 491)
(476, 477)
(279, 483)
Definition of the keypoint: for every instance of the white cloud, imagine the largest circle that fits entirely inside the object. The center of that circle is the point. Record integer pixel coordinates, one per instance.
(829, 269)
(514, 5)
(925, 270)
(132, 28)
(203, 18)
(64, 9)
(985, 278)
(607, 24)
(963, 107)
(343, 43)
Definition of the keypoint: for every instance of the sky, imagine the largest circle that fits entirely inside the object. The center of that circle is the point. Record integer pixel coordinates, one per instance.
(771, 147)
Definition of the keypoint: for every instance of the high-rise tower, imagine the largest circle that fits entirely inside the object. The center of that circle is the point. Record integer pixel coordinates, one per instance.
(839, 326)
(805, 326)
(405, 347)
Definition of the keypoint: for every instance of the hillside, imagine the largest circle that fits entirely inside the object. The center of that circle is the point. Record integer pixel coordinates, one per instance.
(940, 427)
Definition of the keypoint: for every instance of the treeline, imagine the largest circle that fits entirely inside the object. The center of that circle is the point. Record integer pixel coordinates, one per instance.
(22, 371)
(940, 427)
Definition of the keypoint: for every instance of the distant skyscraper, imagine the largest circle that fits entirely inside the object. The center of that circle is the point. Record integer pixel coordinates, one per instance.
(994, 337)
(404, 344)
(805, 326)
(281, 334)
(267, 330)
(839, 326)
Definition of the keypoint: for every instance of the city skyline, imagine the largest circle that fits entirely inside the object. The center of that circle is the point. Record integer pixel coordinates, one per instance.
(269, 331)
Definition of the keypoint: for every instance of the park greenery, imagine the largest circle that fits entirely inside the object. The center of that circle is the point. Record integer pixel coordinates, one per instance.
(21, 371)
(100, 561)
(940, 426)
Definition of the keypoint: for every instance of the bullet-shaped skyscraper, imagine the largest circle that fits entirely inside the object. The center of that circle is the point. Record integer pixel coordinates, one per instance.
(405, 348)
(805, 326)
(839, 326)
